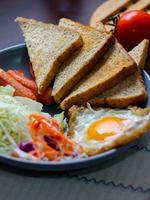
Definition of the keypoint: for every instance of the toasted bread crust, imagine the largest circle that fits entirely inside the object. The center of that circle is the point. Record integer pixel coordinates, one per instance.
(31, 21)
(115, 100)
(61, 58)
(120, 102)
(65, 89)
(132, 86)
(139, 53)
(61, 90)
(37, 57)
(81, 98)
(123, 139)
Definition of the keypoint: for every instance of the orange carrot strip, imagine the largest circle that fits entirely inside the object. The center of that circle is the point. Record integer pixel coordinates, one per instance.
(3, 83)
(23, 80)
(20, 89)
(19, 72)
(46, 96)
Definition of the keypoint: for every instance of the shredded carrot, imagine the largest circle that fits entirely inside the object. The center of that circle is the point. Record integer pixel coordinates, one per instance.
(23, 80)
(20, 90)
(59, 144)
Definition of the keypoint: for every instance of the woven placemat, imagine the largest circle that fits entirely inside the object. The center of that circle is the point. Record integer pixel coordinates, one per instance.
(39, 186)
(130, 170)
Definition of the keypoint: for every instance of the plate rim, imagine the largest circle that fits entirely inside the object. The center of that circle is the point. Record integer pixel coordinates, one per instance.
(76, 162)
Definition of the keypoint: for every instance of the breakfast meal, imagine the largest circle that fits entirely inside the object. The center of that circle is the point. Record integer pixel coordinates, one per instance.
(92, 73)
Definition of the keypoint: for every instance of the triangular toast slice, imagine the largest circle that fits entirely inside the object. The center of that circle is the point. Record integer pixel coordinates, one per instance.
(48, 46)
(115, 66)
(95, 43)
(130, 91)
(139, 53)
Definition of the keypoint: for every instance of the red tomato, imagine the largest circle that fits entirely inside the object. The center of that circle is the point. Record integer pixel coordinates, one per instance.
(132, 28)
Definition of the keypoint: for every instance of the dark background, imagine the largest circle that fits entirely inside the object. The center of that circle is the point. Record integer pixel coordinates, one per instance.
(45, 10)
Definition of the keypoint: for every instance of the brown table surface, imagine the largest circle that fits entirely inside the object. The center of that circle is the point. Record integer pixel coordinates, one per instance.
(17, 184)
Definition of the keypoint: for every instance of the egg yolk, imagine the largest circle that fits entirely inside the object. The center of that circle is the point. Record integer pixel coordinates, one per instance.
(104, 128)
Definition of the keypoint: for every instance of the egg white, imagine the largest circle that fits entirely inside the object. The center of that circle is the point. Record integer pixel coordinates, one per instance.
(134, 122)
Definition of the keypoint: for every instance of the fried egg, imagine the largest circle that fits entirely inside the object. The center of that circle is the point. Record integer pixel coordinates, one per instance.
(104, 129)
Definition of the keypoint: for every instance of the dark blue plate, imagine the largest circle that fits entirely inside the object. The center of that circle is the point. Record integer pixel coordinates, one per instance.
(16, 57)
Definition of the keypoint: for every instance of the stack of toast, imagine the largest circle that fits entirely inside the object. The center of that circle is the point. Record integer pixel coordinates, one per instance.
(84, 64)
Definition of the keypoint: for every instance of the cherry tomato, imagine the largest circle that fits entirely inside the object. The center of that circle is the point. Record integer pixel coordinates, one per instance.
(132, 27)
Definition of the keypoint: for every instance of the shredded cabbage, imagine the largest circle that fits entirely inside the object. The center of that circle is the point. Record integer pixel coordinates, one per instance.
(61, 119)
(7, 90)
(14, 114)
(29, 103)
